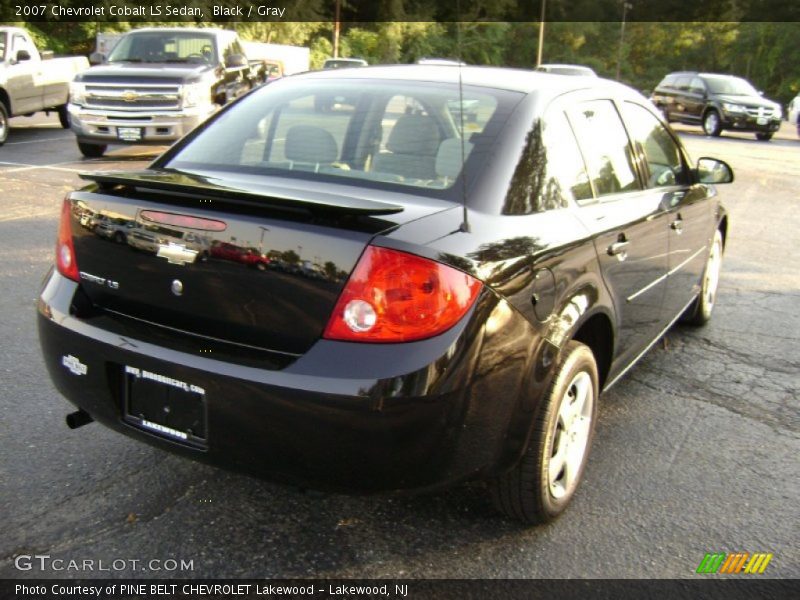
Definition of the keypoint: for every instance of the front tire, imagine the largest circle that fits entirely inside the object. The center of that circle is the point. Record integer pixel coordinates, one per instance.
(539, 488)
(92, 150)
(764, 136)
(3, 123)
(63, 116)
(712, 124)
(699, 313)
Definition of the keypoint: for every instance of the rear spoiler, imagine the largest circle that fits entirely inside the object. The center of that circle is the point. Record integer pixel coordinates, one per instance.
(205, 188)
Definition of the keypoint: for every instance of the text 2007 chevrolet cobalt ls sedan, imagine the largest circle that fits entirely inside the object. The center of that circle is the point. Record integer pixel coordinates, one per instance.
(441, 298)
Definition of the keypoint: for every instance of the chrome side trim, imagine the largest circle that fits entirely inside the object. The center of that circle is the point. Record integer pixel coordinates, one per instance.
(664, 276)
(684, 263)
(647, 287)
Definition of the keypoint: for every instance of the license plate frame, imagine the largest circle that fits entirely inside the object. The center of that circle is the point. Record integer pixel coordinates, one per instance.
(129, 134)
(165, 407)
(761, 121)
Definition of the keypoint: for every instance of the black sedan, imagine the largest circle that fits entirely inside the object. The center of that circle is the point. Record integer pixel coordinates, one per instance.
(446, 298)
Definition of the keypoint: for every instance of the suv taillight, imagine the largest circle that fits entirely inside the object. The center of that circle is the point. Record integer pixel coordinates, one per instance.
(65, 251)
(394, 296)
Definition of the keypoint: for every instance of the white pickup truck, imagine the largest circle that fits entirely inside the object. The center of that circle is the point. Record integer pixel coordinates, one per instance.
(30, 82)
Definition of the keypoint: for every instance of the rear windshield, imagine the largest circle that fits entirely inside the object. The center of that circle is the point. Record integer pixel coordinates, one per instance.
(393, 134)
(164, 47)
(734, 86)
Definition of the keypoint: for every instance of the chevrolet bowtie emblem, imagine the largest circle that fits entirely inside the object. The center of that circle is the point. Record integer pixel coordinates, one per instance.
(130, 96)
(176, 254)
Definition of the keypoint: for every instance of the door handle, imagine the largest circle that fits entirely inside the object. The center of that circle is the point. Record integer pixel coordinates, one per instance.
(618, 249)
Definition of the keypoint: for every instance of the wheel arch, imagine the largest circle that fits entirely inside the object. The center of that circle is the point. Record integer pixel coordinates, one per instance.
(723, 229)
(6, 100)
(597, 332)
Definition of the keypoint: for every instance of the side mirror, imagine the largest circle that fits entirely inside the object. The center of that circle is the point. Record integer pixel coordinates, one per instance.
(711, 170)
(236, 61)
(23, 55)
(97, 58)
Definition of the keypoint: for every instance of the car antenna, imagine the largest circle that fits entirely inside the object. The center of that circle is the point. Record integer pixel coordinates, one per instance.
(464, 221)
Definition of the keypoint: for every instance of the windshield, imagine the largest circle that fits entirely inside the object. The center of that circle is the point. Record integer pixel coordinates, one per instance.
(382, 133)
(734, 86)
(164, 47)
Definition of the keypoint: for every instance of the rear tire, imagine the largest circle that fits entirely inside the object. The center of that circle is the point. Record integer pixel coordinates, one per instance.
(541, 485)
(63, 116)
(699, 312)
(712, 124)
(92, 150)
(764, 137)
(3, 123)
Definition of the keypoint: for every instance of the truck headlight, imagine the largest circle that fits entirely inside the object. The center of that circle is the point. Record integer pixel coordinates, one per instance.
(195, 94)
(77, 93)
(733, 108)
(778, 114)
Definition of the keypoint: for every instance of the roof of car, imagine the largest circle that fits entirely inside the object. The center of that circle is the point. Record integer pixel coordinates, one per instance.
(519, 80)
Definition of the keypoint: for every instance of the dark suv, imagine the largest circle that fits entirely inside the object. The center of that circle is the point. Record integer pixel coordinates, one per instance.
(717, 102)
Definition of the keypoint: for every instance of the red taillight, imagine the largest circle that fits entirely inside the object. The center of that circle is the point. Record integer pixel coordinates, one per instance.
(393, 296)
(65, 251)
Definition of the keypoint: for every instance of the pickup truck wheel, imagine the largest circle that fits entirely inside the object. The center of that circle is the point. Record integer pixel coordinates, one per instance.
(63, 116)
(3, 124)
(540, 486)
(92, 150)
(712, 124)
(764, 136)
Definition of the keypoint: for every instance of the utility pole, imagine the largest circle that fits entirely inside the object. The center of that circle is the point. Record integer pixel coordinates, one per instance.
(541, 35)
(625, 7)
(336, 29)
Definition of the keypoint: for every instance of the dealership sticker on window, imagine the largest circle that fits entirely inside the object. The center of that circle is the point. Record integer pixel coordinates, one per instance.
(75, 366)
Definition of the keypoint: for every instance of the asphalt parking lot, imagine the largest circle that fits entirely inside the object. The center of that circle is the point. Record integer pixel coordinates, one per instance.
(696, 449)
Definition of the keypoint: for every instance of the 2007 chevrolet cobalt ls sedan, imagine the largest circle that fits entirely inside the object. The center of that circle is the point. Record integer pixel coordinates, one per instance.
(438, 298)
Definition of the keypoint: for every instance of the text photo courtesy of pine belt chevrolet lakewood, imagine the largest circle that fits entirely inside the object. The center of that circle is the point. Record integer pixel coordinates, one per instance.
(444, 300)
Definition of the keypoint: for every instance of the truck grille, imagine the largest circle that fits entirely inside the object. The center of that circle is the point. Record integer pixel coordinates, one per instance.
(133, 97)
(756, 112)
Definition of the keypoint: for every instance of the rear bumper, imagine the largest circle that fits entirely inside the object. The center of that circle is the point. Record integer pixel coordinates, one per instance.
(433, 413)
(157, 127)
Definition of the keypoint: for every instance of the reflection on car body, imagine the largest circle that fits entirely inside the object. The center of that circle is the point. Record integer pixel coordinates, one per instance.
(443, 298)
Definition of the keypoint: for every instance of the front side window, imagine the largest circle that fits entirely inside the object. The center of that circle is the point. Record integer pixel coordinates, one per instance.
(662, 154)
(697, 86)
(22, 43)
(379, 132)
(605, 146)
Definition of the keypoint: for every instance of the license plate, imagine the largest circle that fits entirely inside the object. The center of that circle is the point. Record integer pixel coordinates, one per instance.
(129, 134)
(761, 120)
(165, 406)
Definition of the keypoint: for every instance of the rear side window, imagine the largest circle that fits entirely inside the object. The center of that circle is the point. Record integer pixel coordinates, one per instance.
(662, 154)
(668, 81)
(550, 171)
(605, 146)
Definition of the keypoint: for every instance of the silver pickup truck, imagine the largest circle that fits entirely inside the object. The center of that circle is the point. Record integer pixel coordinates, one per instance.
(32, 82)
